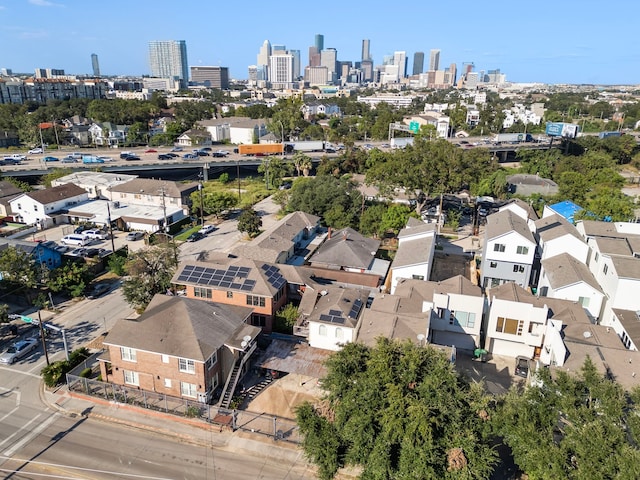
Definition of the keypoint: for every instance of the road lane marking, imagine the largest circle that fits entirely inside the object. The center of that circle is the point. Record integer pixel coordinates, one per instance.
(18, 431)
(20, 372)
(31, 435)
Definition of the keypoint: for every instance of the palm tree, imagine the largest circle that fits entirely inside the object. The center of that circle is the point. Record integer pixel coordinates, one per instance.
(302, 163)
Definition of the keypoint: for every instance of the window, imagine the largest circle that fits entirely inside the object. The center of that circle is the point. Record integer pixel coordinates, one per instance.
(452, 317)
(417, 277)
(167, 383)
(165, 358)
(188, 389)
(522, 250)
(596, 257)
(322, 330)
(493, 264)
(186, 365)
(255, 301)
(509, 325)
(466, 319)
(19, 207)
(605, 269)
(339, 333)
(584, 301)
(35, 208)
(440, 312)
(229, 294)
(131, 378)
(200, 292)
(212, 360)
(128, 354)
(258, 320)
(137, 196)
(498, 247)
(518, 268)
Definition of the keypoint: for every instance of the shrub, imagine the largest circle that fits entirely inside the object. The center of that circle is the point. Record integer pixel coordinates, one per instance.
(53, 374)
(116, 264)
(86, 373)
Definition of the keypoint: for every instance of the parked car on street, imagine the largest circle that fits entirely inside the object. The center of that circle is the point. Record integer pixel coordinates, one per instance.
(95, 234)
(207, 229)
(98, 290)
(194, 237)
(132, 236)
(18, 350)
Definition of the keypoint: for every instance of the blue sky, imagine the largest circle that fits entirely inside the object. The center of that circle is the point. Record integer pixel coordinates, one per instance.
(544, 41)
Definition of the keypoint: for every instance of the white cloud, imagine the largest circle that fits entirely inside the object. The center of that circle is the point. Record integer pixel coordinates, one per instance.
(44, 3)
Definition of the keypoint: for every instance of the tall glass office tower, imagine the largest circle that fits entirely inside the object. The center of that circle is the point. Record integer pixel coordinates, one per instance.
(168, 59)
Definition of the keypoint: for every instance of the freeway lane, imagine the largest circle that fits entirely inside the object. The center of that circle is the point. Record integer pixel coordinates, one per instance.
(88, 449)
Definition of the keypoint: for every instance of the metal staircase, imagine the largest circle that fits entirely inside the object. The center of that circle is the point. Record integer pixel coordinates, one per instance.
(234, 376)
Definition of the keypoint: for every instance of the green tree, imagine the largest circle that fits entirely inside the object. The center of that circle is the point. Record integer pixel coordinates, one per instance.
(301, 162)
(18, 269)
(371, 219)
(249, 222)
(608, 204)
(54, 175)
(397, 410)
(149, 272)
(287, 119)
(214, 202)
(571, 426)
(286, 318)
(71, 278)
(395, 218)
(274, 170)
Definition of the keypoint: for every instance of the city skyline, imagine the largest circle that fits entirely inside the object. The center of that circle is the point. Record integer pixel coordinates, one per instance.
(551, 44)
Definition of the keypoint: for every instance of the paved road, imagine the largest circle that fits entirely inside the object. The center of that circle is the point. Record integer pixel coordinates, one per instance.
(85, 448)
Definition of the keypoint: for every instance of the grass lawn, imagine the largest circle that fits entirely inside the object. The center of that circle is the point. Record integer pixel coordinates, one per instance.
(184, 235)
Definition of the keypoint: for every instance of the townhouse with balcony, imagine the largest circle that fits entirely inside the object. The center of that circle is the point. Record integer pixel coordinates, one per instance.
(46, 208)
(180, 347)
(557, 236)
(236, 281)
(457, 310)
(509, 251)
(414, 257)
(516, 322)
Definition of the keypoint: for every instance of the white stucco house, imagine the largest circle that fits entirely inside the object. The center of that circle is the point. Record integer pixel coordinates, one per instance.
(457, 310)
(509, 251)
(414, 257)
(563, 276)
(331, 315)
(236, 130)
(97, 184)
(516, 322)
(46, 208)
(152, 192)
(557, 236)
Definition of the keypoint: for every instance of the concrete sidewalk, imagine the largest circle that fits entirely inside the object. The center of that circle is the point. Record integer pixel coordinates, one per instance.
(184, 430)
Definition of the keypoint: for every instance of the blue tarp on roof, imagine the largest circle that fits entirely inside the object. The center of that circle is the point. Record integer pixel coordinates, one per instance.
(566, 209)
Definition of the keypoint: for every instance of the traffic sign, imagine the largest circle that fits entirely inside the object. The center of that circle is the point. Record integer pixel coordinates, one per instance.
(414, 127)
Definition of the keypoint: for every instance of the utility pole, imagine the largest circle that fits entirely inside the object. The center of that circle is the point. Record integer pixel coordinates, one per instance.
(113, 244)
(200, 175)
(165, 227)
(238, 175)
(44, 342)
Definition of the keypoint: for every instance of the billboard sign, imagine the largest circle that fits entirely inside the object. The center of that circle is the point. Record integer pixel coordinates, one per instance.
(561, 129)
(554, 129)
(414, 127)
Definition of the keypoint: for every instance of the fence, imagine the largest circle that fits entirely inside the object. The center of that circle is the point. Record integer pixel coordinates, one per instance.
(279, 428)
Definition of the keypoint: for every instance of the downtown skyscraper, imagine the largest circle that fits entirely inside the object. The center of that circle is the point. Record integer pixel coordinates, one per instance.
(168, 59)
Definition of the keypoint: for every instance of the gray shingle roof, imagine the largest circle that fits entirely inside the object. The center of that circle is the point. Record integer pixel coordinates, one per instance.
(413, 252)
(555, 226)
(627, 267)
(564, 270)
(180, 327)
(150, 186)
(347, 248)
(54, 194)
(458, 285)
(501, 223)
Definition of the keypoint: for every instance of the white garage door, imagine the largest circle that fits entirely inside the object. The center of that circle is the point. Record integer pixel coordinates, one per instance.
(460, 340)
(509, 349)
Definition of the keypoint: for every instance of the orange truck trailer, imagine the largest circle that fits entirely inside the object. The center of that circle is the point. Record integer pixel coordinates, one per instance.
(261, 149)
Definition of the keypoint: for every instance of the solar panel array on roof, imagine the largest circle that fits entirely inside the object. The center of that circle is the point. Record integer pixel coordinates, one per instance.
(274, 277)
(332, 318)
(355, 309)
(233, 277)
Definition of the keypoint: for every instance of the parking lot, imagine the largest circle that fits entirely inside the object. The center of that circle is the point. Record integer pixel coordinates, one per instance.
(56, 233)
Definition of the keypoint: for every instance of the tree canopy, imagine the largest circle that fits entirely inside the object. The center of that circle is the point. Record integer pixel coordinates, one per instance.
(397, 410)
(572, 426)
(149, 272)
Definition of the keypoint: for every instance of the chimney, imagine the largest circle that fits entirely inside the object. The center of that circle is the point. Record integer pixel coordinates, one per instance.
(329, 236)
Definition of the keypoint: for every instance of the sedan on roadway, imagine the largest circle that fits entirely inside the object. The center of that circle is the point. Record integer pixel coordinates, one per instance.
(18, 350)
(50, 159)
(132, 236)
